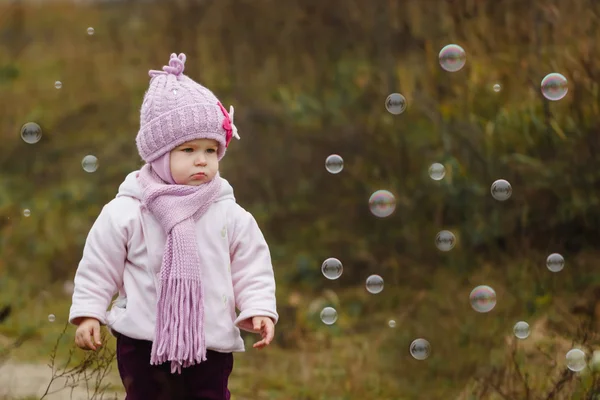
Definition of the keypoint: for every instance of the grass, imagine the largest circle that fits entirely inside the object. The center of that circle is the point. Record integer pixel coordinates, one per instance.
(361, 356)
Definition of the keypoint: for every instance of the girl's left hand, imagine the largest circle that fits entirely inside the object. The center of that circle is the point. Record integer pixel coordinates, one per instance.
(266, 328)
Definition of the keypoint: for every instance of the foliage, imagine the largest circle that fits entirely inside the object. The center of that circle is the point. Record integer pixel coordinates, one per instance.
(309, 79)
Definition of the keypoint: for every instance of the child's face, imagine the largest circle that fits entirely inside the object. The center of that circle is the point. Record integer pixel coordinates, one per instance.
(195, 162)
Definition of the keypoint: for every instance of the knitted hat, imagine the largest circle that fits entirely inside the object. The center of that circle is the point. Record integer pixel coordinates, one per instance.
(176, 110)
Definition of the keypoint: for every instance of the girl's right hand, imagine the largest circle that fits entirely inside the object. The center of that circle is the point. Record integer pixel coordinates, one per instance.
(87, 336)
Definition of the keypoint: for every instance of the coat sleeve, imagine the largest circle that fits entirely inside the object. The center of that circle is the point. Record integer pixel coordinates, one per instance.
(100, 272)
(251, 272)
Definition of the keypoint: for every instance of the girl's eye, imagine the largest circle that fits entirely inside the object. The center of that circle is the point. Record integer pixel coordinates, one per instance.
(186, 149)
(211, 150)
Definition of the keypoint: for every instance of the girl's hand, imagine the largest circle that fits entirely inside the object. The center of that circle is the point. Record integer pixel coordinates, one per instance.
(87, 336)
(266, 327)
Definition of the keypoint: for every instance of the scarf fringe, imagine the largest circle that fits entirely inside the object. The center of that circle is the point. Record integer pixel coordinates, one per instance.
(171, 329)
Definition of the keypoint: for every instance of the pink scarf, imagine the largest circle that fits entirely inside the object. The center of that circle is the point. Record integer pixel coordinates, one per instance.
(179, 332)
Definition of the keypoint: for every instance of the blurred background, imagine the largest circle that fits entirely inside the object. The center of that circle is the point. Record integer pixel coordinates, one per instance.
(309, 79)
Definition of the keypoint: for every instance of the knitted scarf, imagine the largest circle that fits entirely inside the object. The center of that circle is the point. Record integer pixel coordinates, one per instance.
(179, 331)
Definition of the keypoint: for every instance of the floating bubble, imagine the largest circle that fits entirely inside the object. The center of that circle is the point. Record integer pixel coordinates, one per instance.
(31, 133)
(90, 31)
(554, 86)
(555, 262)
(68, 287)
(437, 171)
(392, 323)
(58, 84)
(26, 212)
(452, 58)
(497, 88)
(576, 360)
(521, 330)
(445, 240)
(334, 164)
(89, 163)
(420, 349)
(395, 103)
(329, 315)
(501, 190)
(483, 299)
(374, 284)
(332, 268)
(51, 318)
(382, 203)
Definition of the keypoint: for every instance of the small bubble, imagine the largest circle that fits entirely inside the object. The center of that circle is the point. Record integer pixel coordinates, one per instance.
(576, 360)
(395, 103)
(445, 240)
(452, 58)
(51, 318)
(437, 171)
(26, 212)
(382, 203)
(175, 92)
(334, 164)
(521, 330)
(420, 349)
(90, 31)
(329, 315)
(483, 299)
(68, 287)
(392, 323)
(501, 190)
(554, 86)
(374, 284)
(89, 163)
(332, 268)
(497, 88)
(31, 133)
(58, 84)
(555, 262)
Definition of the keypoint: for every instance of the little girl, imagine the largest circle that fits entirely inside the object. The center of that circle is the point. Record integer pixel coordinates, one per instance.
(181, 253)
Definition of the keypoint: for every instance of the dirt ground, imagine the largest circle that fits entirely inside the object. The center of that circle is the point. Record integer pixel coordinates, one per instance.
(19, 381)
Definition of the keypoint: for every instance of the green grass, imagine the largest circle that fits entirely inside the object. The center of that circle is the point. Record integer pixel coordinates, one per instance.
(361, 356)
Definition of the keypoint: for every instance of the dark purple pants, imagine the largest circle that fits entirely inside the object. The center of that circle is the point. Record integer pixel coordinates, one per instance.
(143, 381)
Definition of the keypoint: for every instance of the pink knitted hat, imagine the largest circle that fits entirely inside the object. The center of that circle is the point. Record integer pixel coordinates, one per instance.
(176, 110)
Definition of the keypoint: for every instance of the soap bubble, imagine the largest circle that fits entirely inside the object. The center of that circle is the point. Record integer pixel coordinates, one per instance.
(395, 103)
(332, 268)
(334, 164)
(576, 360)
(382, 203)
(554, 86)
(483, 299)
(374, 284)
(27, 212)
(437, 171)
(31, 133)
(497, 88)
(89, 163)
(420, 349)
(90, 31)
(329, 315)
(68, 288)
(51, 318)
(521, 330)
(452, 58)
(445, 240)
(58, 84)
(501, 190)
(392, 323)
(555, 262)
